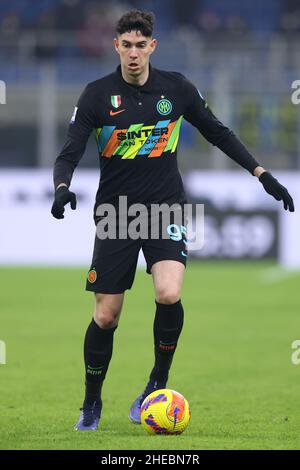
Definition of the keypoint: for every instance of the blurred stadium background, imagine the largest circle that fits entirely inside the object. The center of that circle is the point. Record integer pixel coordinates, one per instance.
(243, 56)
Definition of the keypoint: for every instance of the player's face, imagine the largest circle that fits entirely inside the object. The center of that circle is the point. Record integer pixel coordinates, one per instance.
(134, 50)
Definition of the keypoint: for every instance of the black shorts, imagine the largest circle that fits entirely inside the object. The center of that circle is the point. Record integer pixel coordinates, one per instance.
(115, 260)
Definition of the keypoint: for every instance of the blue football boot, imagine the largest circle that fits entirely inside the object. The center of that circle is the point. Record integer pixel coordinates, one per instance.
(89, 417)
(135, 410)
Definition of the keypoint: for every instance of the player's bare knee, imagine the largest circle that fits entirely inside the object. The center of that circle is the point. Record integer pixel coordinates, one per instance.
(106, 313)
(106, 319)
(167, 296)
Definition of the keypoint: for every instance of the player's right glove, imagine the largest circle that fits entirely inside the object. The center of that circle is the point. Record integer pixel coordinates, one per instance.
(279, 192)
(61, 198)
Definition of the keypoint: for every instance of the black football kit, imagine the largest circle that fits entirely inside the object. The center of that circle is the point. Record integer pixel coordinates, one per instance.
(137, 130)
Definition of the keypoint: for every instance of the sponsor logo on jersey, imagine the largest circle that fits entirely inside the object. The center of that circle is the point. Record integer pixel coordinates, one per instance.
(113, 113)
(142, 133)
(139, 140)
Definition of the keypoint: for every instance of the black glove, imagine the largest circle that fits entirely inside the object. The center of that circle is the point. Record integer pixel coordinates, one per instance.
(273, 187)
(61, 198)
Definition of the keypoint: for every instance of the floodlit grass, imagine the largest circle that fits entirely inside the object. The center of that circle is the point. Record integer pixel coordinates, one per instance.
(233, 362)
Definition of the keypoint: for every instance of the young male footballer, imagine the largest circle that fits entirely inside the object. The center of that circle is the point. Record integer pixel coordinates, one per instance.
(136, 113)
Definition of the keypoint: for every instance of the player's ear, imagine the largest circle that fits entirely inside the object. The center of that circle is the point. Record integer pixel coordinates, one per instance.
(153, 45)
(116, 44)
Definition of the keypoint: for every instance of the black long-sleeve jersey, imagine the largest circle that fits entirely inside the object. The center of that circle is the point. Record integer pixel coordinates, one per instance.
(137, 130)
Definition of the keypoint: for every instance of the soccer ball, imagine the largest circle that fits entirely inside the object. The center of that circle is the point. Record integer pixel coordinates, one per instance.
(165, 412)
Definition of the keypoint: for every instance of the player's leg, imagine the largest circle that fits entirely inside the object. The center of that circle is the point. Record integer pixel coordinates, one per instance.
(168, 322)
(98, 343)
(167, 278)
(98, 348)
(112, 272)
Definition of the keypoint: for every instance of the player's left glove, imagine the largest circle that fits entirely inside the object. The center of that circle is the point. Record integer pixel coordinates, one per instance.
(61, 198)
(279, 192)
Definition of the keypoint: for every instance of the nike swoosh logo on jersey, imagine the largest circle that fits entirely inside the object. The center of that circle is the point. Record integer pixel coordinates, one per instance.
(113, 113)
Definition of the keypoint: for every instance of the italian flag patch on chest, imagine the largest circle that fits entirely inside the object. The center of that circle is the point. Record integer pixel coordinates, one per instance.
(116, 101)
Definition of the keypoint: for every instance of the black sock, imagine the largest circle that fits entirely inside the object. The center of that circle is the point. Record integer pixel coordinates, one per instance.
(167, 327)
(98, 347)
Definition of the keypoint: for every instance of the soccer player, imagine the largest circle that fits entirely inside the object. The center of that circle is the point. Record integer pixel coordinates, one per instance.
(136, 113)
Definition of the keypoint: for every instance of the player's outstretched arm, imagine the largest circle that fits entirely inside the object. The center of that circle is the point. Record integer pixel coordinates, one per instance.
(273, 187)
(80, 128)
(199, 114)
(62, 197)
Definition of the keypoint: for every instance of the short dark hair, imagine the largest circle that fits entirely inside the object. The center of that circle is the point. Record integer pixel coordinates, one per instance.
(136, 20)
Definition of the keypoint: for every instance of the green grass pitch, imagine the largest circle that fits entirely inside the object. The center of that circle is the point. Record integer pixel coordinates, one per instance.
(233, 362)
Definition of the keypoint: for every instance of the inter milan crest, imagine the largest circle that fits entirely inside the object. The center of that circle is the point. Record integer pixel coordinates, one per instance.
(164, 106)
(116, 101)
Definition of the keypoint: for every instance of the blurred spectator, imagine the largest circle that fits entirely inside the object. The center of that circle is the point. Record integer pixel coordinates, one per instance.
(46, 41)
(70, 14)
(290, 20)
(209, 22)
(86, 27)
(185, 12)
(10, 25)
(98, 30)
(236, 24)
(9, 32)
